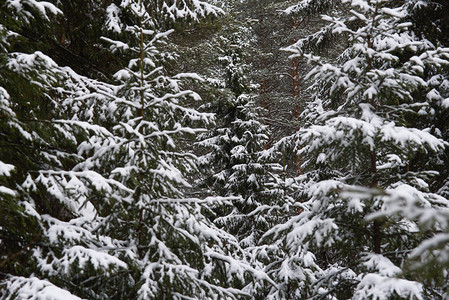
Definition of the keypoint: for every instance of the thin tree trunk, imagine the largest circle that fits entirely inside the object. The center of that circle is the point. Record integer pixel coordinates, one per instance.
(377, 232)
(142, 67)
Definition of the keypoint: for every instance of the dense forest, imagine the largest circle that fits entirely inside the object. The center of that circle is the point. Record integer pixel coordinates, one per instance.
(224, 149)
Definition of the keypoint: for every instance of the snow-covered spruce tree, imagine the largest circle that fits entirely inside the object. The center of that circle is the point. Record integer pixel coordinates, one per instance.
(236, 164)
(171, 249)
(44, 228)
(429, 261)
(364, 200)
(429, 20)
(68, 227)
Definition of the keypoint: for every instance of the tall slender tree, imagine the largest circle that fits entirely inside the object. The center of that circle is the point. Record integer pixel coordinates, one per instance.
(100, 188)
(363, 197)
(239, 167)
(166, 234)
(43, 201)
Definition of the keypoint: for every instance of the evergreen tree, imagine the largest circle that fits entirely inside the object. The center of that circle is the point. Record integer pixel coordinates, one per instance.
(429, 22)
(41, 223)
(428, 262)
(236, 165)
(170, 251)
(363, 198)
(96, 206)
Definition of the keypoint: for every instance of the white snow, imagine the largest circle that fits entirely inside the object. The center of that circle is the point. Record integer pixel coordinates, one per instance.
(83, 257)
(41, 6)
(113, 22)
(34, 288)
(5, 169)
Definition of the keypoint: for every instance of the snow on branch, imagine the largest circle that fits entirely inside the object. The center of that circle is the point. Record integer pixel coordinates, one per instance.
(33, 288)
